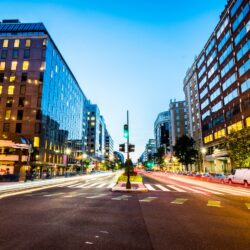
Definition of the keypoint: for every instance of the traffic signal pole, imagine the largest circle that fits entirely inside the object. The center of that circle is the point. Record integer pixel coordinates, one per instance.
(128, 184)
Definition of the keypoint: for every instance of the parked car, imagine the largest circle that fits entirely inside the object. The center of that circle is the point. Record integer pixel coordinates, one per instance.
(219, 176)
(240, 176)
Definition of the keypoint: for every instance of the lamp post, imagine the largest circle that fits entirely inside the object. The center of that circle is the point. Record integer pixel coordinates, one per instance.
(203, 151)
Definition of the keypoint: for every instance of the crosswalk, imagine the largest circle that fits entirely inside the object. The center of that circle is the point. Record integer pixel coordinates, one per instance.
(180, 188)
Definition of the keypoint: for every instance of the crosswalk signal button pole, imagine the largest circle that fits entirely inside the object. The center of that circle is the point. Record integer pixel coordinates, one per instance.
(122, 147)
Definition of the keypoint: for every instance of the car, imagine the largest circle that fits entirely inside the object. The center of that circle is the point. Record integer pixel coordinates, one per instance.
(219, 176)
(239, 176)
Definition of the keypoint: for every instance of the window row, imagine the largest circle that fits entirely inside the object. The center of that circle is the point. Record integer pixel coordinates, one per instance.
(16, 43)
(241, 16)
(25, 65)
(15, 54)
(24, 77)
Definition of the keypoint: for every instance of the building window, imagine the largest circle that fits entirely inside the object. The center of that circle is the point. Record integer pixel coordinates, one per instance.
(219, 134)
(227, 67)
(5, 43)
(224, 40)
(232, 95)
(19, 128)
(6, 127)
(226, 53)
(9, 102)
(44, 42)
(21, 102)
(15, 53)
(215, 94)
(11, 89)
(7, 114)
(245, 48)
(1, 89)
(1, 77)
(16, 43)
(244, 68)
(25, 65)
(235, 7)
(245, 86)
(22, 89)
(13, 65)
(234, 127)
(222, 27)
(26, 54)
(240, 17)
(27, 43)
(4, 54)
(19, 114)
(208, 138)
(24, 77)
(242, 33)
(231, 80)
(12, 77)
(248, 122)
(37, 128)
(210, 46)
(2, 65)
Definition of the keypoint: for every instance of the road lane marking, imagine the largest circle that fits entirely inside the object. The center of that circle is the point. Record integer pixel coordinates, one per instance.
(52, 195)
(81, 185)
(176, 188)
(149, 187)
(104, 232)
(193, 190)
(111, 185)
(148, 199)
(121, 198)
(92, 185)
(179, 201)
(162, 188)
(248, 205)
(96, 196)
(74, 195)
(214, 203)
(75, 185)
(208, 190)
(101, 185)
(89, 243)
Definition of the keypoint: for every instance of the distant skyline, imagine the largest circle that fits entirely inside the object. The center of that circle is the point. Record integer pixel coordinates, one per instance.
(126, 54)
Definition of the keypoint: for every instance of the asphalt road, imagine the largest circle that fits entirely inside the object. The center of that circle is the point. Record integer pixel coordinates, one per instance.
(87, 215)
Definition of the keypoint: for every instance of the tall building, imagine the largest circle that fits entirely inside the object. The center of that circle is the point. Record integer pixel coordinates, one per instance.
(150, 150)
(223, 82)
(42, 103)
(193, 105)
(96, 132)
(178, 121)
(109, 147)
(161, 130)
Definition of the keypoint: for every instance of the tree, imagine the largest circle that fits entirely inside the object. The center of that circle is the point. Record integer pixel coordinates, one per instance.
(159, 156)
(238, 147)
(185, 151)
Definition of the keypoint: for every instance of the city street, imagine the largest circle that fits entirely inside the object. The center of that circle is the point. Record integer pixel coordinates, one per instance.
(85, 214)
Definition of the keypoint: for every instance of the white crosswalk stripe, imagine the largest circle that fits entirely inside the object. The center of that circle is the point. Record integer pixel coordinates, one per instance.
(208, 190)
(149, 187)
(176, 188)
(193, 190)
(102, 185)
(162, 188)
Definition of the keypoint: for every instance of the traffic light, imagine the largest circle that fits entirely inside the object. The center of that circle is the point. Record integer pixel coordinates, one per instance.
(122, 147)
(150, 164)
(131, 148)
(125, 131)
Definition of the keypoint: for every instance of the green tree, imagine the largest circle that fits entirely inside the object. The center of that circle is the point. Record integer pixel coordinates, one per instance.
(159, 156)
(238, 147)
(185, 151)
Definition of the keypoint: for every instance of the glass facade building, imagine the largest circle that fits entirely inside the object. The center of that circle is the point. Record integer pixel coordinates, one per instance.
(42, 103)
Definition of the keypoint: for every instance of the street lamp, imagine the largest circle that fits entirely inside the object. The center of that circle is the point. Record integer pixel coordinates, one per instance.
(203, 151)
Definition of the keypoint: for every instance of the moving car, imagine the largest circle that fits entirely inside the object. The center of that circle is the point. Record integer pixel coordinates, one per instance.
(241, 176)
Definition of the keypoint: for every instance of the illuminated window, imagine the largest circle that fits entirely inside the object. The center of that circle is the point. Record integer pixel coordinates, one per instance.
(27, 43)
(92, 118)
(248, 121)
(44, 42)
(12, 77)
(1, 89)
(219, 134)
(5, 43)
(7, 114)
(208, 138)
(25, 65)
(2, 65)
(16, 43)
(36, 142)
(234, 127)
(11, 89)
(93, 124)
(13, 65)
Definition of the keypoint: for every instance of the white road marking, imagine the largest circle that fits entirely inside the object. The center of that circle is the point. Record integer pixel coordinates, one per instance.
(89, 243)
(96, 196)
(179, 201)
(208, 190)
(191, 189)
(91, 185)
(81, 185)
(176, 188)
(121, 198)
(148, 199)
(149, 187)
(111, 185)
(51, 195)
(162, 188)
(101, 185)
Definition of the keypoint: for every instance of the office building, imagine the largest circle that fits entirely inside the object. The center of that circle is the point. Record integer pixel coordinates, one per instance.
(42, 103)
(109, 147)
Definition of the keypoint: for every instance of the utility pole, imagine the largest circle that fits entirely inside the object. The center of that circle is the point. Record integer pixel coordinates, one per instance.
(128, 184)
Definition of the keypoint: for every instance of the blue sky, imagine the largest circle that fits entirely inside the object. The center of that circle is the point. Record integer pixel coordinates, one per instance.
(126, 54)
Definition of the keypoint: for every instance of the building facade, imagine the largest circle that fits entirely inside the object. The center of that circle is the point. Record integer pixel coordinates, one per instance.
(223, 83)
(41, 101)
(109, 147)
(178, 121)
(161, 130)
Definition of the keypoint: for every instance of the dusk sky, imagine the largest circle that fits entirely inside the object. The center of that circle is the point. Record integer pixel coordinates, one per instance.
(129, 54)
